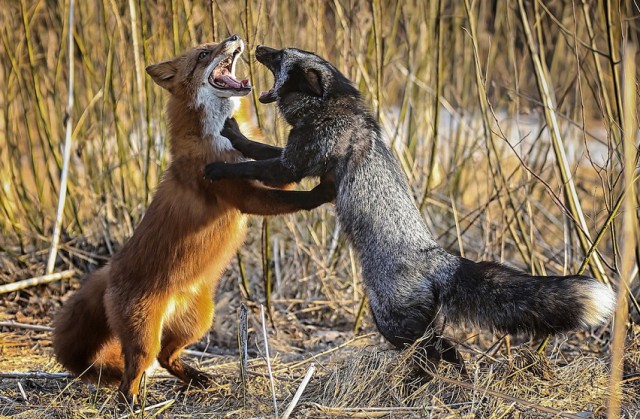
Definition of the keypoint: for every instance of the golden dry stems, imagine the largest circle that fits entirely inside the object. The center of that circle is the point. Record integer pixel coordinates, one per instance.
(545, 90)
(489, 182)
(629, 230)
(66, 159)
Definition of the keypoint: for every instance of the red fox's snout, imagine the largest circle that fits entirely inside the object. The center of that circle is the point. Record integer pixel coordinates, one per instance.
(208, 70)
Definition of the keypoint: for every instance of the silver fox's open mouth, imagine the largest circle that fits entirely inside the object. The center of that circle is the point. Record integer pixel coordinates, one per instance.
(265, 56)
(222, 77)
(268, 97)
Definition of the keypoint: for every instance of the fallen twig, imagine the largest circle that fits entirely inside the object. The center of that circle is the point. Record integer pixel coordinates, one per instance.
(301, 388)
(198, 354)
(26, 326)
(160, 406)
(38, 280)
(36, 375)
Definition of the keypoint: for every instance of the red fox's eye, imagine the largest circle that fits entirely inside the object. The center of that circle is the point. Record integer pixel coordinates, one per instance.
(203, 54)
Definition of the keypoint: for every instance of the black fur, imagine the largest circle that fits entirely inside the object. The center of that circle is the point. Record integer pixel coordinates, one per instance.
(412, 283)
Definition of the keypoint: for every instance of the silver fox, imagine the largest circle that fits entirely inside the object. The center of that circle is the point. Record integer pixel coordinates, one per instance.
(412, 283)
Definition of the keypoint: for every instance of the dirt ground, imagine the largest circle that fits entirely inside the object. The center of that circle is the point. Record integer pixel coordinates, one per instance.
(353, 375)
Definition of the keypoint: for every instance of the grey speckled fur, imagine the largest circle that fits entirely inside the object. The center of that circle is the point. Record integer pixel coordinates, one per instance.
(412, 283)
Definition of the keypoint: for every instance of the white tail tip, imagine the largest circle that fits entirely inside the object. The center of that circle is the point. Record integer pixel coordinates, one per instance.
(600, 304)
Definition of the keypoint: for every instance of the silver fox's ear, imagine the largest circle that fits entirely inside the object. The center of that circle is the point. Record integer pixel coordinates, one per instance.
(163, 73)
(314, 81)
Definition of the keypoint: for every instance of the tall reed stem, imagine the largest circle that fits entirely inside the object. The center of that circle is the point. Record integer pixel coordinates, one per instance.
(546, 91)
(629, 229)
(55, 239)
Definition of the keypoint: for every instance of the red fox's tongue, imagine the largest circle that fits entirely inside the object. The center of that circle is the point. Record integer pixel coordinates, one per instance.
(230, 81)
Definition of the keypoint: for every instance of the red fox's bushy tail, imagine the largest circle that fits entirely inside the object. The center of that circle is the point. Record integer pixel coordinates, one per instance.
(508, 300)
(82, 340)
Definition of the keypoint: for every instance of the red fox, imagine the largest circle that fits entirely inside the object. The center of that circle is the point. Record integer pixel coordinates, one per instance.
(156, 294)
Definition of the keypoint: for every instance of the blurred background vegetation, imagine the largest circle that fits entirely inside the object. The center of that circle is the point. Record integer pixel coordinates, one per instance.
(454, 84)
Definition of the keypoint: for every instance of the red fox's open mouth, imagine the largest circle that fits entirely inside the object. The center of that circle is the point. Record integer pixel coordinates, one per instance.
(222, 77)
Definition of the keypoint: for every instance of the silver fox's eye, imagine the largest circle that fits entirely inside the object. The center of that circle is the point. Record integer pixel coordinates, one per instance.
(203, 54)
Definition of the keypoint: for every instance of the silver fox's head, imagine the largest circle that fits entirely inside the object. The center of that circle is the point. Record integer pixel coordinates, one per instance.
(302, 81)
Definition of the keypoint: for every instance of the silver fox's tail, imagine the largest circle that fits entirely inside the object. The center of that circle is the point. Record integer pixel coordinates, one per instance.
(507, 300)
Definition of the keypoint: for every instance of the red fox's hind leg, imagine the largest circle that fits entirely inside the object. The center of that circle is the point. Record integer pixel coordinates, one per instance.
(139, 333)
(169, 358)
(184, 329)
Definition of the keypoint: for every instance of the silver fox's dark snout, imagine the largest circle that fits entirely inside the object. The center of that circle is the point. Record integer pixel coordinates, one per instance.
(269, 57)
(265, 54)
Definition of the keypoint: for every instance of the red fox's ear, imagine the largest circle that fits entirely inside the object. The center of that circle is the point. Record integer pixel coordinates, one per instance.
(163, 73)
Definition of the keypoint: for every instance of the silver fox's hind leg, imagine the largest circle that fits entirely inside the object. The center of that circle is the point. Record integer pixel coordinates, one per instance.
(404, 326)
(430, 350)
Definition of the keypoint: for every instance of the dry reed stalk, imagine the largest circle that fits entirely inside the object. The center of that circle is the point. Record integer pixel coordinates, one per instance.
(431, 168)
(268, 359)
(175, 27)
(296, 397)
(376, 11)
(595, 54)
(498, 177)
(243, 345)
(139, 86)
(571, 195)
(67, 151)
(267, 276)
(629, 231)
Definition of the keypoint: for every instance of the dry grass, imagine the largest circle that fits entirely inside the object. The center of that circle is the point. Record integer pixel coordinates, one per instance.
(360, 379)
(459, 88)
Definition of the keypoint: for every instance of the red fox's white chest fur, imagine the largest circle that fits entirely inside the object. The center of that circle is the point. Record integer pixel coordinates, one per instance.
(156, 295)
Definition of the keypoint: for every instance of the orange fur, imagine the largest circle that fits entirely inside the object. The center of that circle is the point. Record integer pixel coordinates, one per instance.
(156, 294)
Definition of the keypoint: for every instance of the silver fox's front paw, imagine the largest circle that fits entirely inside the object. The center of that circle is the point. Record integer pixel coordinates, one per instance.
(326, 191)
(231, 130)
(214, 171)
